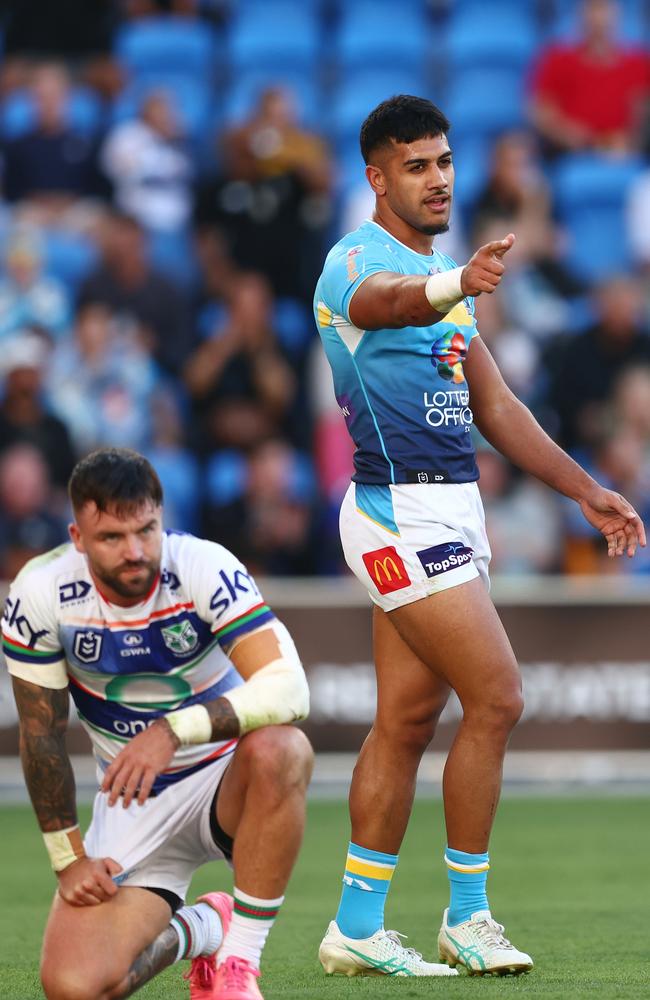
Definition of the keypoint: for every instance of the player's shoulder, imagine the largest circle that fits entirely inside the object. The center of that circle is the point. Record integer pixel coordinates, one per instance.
(45, 585)
(49, 567)
(367, 237)
(186, 552)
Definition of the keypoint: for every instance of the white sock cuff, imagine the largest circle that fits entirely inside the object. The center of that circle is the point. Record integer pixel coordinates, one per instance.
(246, 898)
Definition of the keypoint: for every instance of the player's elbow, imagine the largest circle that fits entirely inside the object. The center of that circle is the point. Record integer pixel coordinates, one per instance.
(275, 695)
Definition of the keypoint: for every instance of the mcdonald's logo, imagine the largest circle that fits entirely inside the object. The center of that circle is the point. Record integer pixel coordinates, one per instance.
(386, 569)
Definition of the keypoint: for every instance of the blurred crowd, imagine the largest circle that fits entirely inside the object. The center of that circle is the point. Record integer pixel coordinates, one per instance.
(168, 193)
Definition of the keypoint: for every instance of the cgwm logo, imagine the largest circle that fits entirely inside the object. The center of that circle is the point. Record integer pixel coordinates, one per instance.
(441, 558)
(87, 646)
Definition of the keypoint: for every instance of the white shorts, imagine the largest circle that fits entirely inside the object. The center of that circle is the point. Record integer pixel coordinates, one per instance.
(161, 843)
(405, 542)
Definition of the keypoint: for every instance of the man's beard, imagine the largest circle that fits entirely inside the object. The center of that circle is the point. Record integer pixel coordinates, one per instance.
(139, 588)
(437, 230)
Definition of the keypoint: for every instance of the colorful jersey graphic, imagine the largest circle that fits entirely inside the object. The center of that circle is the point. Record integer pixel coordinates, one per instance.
(402, 392)
(127, 666)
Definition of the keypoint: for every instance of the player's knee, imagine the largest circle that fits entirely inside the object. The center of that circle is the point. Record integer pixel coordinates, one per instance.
(501, 709)
(410, 730)
(60, 983)
(413, 736)
(279, 756)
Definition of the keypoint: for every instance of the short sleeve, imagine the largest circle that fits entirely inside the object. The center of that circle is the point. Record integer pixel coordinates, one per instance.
(224, 593)
(30, 638)
(347, 267)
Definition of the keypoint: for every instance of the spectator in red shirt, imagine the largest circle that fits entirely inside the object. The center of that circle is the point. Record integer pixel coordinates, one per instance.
(590, 95)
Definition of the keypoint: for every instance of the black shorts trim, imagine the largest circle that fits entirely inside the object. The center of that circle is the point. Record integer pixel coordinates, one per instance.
(220, 837)
(174, 902)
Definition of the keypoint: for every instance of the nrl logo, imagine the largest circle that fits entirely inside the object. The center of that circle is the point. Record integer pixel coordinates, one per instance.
(87, 646)
(180, 638)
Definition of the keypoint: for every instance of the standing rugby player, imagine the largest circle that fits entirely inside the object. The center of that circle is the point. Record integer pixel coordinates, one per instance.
(411, 376)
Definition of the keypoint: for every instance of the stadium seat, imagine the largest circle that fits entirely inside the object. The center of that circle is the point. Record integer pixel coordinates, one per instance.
(18, 112)
(178, 471)
(225, 477)
(634, 21)
(359, 92)
(485, 101)
(373, 33)
(471, 157)
(173, 254)
(491, 35)
(167, 45)
(279, 35)
(69, 256)
(293, 324)
(590, 193)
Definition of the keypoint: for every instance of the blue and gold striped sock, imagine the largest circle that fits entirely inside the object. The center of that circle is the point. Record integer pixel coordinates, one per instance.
(467, 880)
(365, 885)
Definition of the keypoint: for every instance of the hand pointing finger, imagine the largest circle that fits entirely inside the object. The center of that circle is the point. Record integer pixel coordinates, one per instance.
(502, 246)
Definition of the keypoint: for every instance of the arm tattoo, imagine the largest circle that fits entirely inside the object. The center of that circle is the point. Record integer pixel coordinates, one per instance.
(225, 724)
(151, 961)
(43, 714)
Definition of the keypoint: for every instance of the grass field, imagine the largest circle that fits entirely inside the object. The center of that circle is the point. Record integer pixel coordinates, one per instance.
(570, 879)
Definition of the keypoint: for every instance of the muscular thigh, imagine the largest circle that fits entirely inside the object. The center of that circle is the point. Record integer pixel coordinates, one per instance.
(408, 691)
(105, 937)
(459, 636)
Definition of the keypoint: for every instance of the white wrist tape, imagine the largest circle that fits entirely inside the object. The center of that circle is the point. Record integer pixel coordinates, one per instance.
(64, 847)
(275, 694)
(191, 725)
(443, 290)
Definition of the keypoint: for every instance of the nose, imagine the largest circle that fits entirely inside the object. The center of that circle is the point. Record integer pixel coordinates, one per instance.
(133, 548)
(437, 178)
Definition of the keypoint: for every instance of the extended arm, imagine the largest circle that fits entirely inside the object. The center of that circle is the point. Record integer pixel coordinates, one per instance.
(275, 692)
(43, 714)
(511, 428)
(387, 300)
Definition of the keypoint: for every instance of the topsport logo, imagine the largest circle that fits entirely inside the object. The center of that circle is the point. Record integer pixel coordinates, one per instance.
(441, 558)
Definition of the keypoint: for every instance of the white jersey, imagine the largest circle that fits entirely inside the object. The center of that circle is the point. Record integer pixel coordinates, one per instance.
(128, 666)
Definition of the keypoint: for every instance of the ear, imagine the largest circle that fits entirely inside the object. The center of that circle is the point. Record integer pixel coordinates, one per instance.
(376, 180)
(75, 537)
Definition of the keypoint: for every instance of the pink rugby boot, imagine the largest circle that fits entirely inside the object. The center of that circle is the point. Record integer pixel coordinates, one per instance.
(236, 980)
(203, 970)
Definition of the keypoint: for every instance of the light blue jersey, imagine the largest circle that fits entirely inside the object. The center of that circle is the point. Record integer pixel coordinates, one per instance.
(402, 392)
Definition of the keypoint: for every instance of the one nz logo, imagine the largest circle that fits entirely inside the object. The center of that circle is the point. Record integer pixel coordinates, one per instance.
(181, 638)
(441, 558)
(87, 646)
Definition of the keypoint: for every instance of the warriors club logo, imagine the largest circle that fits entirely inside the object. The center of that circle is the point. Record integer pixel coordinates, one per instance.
(386, 569)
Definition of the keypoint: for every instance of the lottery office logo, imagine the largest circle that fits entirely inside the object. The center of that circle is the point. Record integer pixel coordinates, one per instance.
(448, 408)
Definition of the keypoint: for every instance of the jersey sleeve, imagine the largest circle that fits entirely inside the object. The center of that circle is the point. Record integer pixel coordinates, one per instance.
(347, 268)
(30, 637)
(474, 332)
(225, 594)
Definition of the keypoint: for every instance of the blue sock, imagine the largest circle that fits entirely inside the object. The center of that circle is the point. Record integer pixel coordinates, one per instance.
(467, 882)
(365, 885)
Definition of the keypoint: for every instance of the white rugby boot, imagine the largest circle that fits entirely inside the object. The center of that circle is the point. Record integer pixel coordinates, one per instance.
(383, 954)
(481, 946)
